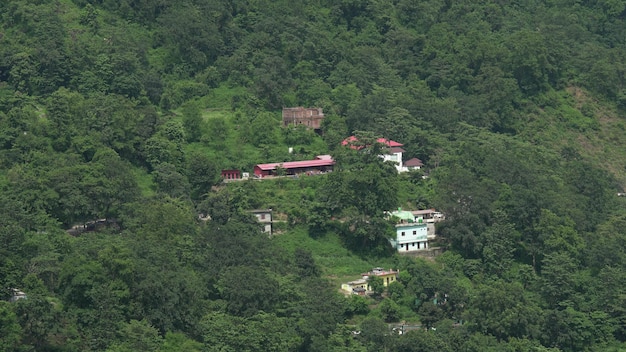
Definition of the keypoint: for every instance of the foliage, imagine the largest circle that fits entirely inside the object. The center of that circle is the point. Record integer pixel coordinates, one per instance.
(116, 118)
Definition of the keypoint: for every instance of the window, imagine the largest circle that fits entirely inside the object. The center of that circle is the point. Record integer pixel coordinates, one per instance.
(262, 216)
(402, 233)
(415, 232)
(413, 244)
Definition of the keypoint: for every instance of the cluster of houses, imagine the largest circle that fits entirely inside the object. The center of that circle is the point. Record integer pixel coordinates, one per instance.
(394, 154)
(312, 118)
(414, 229)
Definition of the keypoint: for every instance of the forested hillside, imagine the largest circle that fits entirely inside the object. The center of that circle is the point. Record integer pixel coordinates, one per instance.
(117, 116)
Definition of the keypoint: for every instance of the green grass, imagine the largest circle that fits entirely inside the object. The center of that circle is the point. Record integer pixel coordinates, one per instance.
(144, 181)
(208, 114)
(221, 97)
(336, 262)
(593, 129)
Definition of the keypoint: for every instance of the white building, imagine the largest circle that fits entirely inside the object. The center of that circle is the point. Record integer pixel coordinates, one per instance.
(264, 217)
(394, 154)
(17, 295)
(411, 232)
(394, 151)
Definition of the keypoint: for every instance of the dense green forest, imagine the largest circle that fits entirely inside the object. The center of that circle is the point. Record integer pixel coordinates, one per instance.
(117, 116)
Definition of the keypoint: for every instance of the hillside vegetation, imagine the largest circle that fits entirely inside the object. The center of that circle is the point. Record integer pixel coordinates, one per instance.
(116, 118)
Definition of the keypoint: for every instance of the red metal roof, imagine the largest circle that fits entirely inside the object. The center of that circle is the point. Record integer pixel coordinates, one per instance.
(297, 164)
(387, 142)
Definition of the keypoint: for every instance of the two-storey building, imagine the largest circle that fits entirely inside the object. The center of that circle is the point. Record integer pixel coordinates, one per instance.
(411, 232)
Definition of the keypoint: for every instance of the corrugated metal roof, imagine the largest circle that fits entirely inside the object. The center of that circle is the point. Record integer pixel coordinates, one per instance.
(385, 141)
(297, 164)
(423, 212)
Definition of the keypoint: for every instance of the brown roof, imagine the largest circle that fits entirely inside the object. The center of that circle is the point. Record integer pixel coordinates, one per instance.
(423, 212)
(413, 162)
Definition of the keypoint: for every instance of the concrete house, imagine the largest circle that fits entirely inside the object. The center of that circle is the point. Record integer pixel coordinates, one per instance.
(264, 217)
(388, 276)
(413, 164)
(356, 287)
(393, 154)
(17, 295)
(361, 286)
(231, 174)
(411, 232)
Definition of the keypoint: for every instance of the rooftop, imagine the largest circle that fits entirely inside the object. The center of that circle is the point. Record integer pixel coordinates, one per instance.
(324, 157)
(380, 272)
(403, 215)
(384, 141)
(297, 164)
(415, 162)
(423, 212)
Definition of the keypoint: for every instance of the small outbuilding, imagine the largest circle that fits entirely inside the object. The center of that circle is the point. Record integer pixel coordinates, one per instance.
(264, 217)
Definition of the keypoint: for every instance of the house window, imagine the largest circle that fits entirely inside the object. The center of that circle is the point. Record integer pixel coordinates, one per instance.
(403, 233)
(415, 232)
(413, 244)
(262, 216)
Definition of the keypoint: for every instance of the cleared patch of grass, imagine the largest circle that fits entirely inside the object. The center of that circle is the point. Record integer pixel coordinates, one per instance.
(336, 261)
(144, 181)
(208, 114)
(221, 97)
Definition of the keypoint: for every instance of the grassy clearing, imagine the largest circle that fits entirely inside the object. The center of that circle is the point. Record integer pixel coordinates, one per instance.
(337, 262)
(144, 181)
(208, 114)
(221, 98)
(593, 129)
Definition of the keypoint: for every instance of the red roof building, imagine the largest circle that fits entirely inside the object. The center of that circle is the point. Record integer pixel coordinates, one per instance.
(231, 174)
(384, 141)
(393, 153)
(321, 164)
